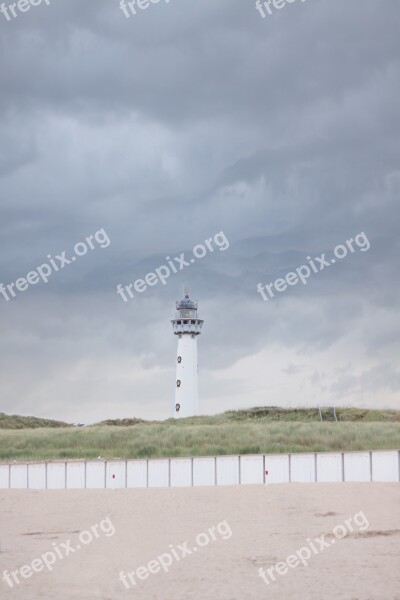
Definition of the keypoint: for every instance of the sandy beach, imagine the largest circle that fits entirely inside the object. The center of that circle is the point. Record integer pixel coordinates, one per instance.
(198, 543)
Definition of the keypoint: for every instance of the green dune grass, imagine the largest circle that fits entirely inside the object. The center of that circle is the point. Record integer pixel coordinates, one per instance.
(202, 436)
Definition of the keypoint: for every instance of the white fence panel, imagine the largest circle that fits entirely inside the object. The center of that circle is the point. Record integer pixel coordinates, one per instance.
(204, 471)
(137, 474)
(37, 477)
(181, 472)
(277, 468)
(56, 476)
(4, 476)
(385, 466)
(19, 476)
(116, 474)
(329, 468)
(357, 466)
(251, 469)
(159, 473)
(302, 468)
(227, 470)
(95, 475)
(75, 475)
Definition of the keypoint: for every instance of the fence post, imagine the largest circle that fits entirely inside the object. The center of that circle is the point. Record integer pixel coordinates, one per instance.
(370, 466)
(399, 464)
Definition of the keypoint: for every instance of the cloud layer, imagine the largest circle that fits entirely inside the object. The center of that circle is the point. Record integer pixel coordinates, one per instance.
(164, 129)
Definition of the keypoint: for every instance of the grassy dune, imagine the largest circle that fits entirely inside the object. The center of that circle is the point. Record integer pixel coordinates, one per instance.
(187, 439)
(17, 422)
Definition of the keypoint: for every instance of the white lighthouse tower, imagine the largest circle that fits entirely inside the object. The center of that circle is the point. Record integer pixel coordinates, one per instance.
(187, 326)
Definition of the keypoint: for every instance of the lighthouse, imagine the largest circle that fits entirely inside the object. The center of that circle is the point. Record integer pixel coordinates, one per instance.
(187, 327)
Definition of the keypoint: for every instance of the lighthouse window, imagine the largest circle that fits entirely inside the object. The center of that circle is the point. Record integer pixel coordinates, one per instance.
(177, 407)
(193, 322)
(179, 322)
(179, 359)
(178, 383)
(185, 322)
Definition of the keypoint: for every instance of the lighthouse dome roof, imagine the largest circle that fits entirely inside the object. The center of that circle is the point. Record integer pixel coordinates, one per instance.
(187, 303)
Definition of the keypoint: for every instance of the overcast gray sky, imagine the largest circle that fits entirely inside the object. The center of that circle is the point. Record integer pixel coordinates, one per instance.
(184, 120)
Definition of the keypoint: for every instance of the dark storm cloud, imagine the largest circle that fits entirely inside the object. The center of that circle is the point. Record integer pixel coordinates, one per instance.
(164, 129)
